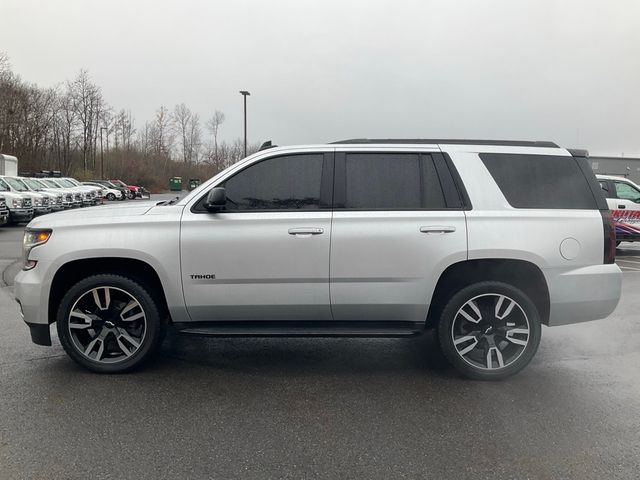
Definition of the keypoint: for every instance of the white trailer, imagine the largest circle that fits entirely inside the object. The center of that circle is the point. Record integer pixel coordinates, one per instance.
(8, 165)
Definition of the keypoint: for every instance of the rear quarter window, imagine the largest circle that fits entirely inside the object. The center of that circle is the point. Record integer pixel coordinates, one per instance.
(540, 181)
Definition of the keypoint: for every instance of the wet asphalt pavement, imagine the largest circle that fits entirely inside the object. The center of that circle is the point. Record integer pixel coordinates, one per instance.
(323, 408)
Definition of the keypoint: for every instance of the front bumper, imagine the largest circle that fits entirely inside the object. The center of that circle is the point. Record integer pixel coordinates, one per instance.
(21, 214)
(583, 294)
(41, 210)
(29, 290)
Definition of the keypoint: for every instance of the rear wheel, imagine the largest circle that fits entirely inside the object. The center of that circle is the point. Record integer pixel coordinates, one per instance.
(489, 330)
(109, 323)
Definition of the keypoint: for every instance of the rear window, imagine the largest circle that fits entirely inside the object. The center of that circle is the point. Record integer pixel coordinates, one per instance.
(392, 181)
(540, 181)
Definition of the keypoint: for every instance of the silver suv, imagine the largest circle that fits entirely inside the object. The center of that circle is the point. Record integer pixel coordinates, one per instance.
(482, 241)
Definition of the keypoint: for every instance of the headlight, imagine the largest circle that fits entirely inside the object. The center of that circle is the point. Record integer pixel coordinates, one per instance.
(37, 202)
(16, 202)
(31, 239)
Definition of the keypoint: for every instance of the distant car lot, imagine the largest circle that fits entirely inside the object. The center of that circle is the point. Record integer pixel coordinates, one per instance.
(338, 408)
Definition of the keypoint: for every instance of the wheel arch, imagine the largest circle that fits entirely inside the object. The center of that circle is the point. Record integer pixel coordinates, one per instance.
(75, 270)
(522, 274)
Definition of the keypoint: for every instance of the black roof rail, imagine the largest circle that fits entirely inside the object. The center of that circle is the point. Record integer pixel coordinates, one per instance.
(506, 143)
(266, 145)
(577, 152)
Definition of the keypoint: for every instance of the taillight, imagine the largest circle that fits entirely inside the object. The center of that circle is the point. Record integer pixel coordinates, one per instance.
(609, 236)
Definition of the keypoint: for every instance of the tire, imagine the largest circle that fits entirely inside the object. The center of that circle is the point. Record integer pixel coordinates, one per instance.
(111, 196)
(131, 195)
(475, 339)
(114, 339)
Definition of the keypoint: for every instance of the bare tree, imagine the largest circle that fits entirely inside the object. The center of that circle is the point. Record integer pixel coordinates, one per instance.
(186, 125)
(88, 106)
(64, 127)
(213, 125)
(5, 65)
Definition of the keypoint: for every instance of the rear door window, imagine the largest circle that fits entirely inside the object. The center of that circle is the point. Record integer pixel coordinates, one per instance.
(540, 181)
(391, 181)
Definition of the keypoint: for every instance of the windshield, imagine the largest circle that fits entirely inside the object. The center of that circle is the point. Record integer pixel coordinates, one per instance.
(65, 183)
(16, 184)
(50, 182)
(3, 186)
(72, 181)
(119, 182)
(32, 184)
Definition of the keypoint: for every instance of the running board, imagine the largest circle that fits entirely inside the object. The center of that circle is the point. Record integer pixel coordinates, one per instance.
(301, 329)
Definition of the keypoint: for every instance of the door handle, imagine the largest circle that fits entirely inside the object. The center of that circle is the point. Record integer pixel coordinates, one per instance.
(622, 207)
(438, 229)
(306, 231)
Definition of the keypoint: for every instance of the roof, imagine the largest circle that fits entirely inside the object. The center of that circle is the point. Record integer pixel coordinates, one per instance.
(506, 143)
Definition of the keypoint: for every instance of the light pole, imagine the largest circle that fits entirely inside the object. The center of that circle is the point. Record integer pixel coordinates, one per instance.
(102, 153)
(245, 94)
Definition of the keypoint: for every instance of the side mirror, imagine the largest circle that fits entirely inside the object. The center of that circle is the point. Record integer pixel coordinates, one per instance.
(216, 199)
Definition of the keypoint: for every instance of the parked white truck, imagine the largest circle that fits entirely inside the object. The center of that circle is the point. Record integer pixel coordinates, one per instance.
(8, 165)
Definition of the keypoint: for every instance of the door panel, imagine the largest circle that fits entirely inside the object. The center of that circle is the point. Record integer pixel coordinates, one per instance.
(262, 271)
(395, 229)
(383, 267)
(266, 255)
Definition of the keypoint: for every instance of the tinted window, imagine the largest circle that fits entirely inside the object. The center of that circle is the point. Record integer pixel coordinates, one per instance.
(282, 183)
(540, 181)
(627, 192)
(391, 182)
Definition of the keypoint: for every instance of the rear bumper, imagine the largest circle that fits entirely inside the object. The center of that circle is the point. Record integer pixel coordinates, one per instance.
(583, 294)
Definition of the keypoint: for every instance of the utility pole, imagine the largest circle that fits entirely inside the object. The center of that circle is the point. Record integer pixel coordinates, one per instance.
(102, 153)
(245, 94)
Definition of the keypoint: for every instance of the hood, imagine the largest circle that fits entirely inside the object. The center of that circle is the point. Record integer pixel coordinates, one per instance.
(93, 215)
(10, 194)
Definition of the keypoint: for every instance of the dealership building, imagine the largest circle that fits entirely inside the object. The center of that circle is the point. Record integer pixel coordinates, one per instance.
(620, 166)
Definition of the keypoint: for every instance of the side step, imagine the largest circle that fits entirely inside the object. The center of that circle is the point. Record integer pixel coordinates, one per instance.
(301, 329)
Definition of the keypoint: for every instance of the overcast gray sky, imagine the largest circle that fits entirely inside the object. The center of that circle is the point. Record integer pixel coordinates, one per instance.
(318, 71)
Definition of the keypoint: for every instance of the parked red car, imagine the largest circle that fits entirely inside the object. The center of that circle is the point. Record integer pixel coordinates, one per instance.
(134, 190)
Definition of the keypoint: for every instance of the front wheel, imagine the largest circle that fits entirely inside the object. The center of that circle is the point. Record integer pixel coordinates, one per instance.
(131, 195)
(111, 196)
(489, 330)
(109, 323)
